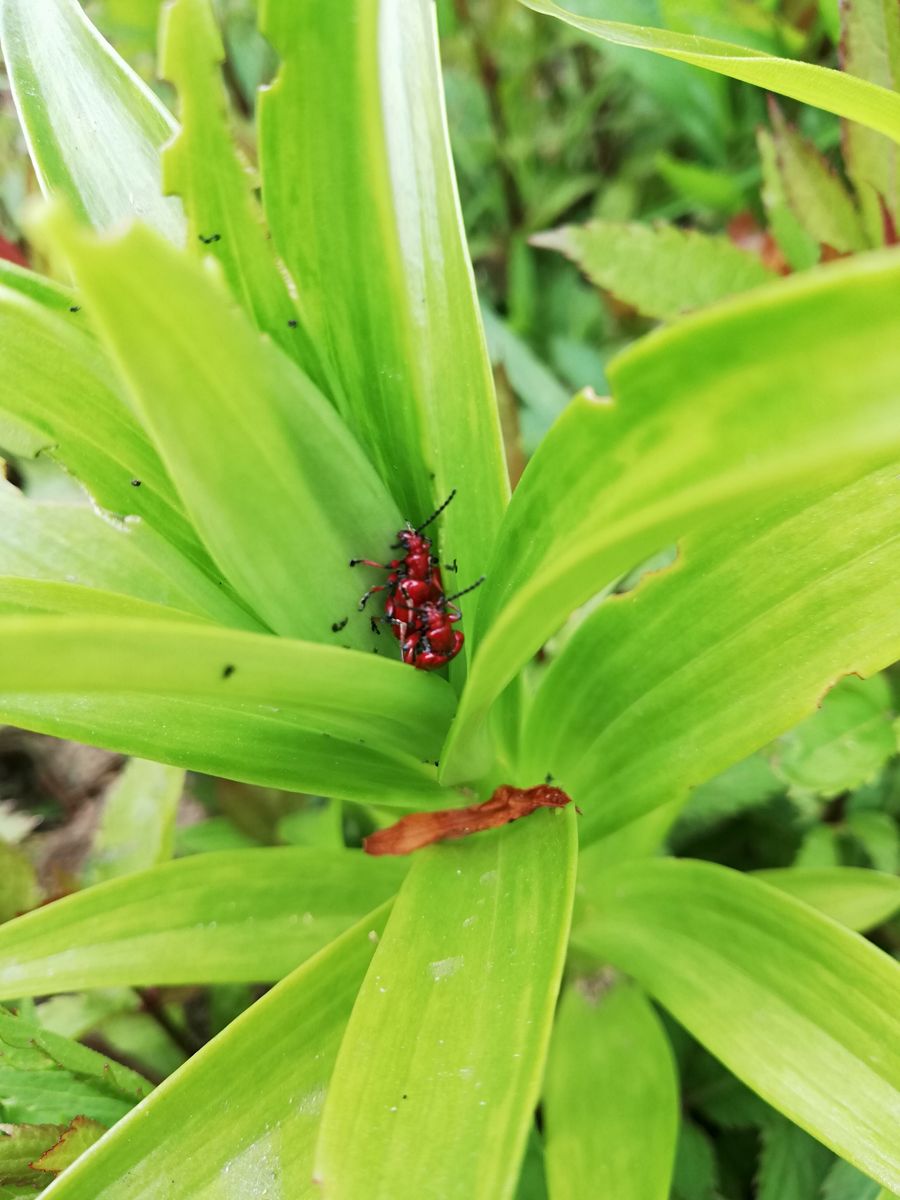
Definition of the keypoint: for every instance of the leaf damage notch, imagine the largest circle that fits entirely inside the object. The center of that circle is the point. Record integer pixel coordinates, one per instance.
(422, 829)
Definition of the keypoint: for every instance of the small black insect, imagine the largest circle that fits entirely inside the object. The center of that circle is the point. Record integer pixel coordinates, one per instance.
(135, 483)
(339, 625)
(228, 670)
(208, 241)
(292, 323)
(74, 308)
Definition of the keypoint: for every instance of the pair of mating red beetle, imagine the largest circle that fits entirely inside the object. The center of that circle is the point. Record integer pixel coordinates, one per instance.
(419, 614)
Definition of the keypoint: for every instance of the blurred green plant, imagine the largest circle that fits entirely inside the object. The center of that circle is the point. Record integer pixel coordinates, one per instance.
(252, 393)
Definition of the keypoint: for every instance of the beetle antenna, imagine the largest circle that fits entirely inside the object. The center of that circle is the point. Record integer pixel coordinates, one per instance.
(470, 588)
(437, 512)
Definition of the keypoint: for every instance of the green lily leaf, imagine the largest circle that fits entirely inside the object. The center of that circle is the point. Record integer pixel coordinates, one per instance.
(49, 543)
(448, 1036)
(708, 412)
(610, 1095)
(137, 826)
(801, 1010)
(337, 692)
(873, 106)
(49, 293)
(58, 396)
(250, 442)
(261, 744)
(202, 166)
(854, 896)
(387, 289)
(32, 596)
(224, 917)
(744, 664)
(45, 1077)
(663, 271)
(240, 1117)
(94, 130)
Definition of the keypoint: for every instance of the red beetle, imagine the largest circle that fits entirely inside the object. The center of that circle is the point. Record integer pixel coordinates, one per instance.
(412, 580)
(430, 640)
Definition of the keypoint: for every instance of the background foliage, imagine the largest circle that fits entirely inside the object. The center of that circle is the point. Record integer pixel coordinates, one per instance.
(689, 619)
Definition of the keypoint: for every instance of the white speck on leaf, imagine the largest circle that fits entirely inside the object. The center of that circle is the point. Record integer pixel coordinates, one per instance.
(443, 968)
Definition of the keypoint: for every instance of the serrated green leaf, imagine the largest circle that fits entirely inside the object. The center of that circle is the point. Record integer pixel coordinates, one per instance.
(232, 916)
(792, 1165)
(714, 668)
(20, 1145)
(76, 546)
(448, 1036)
(250, 442)
(879, 836)
(717, 406)
(137, 826)
(748, 784)
(845, 1182)
(202, 166)
(873, 106)
(46, 1078)
(802, 1011)
(80, 1136)
(58, 395)
(798, 246)
(94, 130)
(696, 1172)
(610, 1099)
(356, 110)
(662, 270)
(870, 48)
(268, 1072)
(854, 896)
(844, 743)
(816, 194)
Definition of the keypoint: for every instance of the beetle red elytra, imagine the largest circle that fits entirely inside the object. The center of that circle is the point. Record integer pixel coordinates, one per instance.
(421, 617)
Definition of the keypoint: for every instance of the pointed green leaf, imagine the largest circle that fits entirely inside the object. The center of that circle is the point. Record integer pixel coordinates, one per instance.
(73, 544)
(792, 1165)
(32, 596)
(816, 193)
(224, 917)
(693, 670)
(611, 1098)
(94, 130)
(845, 742)
(240, 1117)
(438, 1074)
(45, 1077)
(274, 483)
(873, 106)
(58, 394)
(797, 245)
(337, 692)
(854, 896)
(708, 412)
(387, 290)
(661, 270)
(800, 1009)
(137, 826)
(203, 167)
(870, 48)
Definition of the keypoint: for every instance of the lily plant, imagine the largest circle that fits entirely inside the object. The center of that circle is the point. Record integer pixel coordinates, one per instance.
(258, 379)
